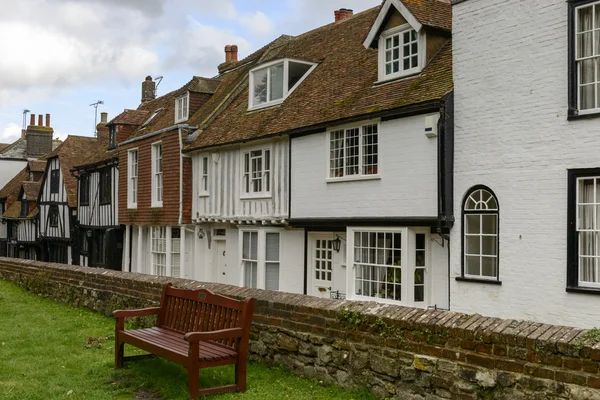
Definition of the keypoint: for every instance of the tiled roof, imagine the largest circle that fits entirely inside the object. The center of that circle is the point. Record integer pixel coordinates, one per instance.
(342, 86)
(37, 165)
(18, 149)
(14, 211)
(14, 185)
(3, 146)
(130, 117)
(73, 151)
(31, 189)
(436, 13)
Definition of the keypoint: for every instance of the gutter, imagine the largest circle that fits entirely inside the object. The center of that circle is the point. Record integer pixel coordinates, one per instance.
(149, 135)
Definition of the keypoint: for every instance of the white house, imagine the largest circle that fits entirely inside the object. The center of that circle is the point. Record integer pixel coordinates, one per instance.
(328, 172)
(525, 243)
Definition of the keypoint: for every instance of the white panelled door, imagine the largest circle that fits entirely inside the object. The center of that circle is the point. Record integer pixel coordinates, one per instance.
(326, 272)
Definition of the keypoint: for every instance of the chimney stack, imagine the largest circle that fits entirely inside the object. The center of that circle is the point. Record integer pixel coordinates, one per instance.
(234, 52)
(228, 53)
(38, 137)
(148, 89)
(102, 130)
(23, 133)
(342, 14)
(103, 117)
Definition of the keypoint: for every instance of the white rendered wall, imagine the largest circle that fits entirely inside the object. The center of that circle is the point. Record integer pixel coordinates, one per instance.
(407, 166)
(512, 134)
(9, 169)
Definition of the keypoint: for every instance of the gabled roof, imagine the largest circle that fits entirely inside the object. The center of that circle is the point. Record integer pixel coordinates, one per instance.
(14, 211)
(31, 190)
(342, 86)
(129, 117)
(433, 13)
(73, 151)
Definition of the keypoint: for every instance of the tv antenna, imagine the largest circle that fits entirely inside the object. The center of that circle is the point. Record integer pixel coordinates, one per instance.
(95, 105)
(158, 80)
(25, 112)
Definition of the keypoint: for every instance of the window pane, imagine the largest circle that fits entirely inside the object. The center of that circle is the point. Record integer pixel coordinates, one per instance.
(272, 276)
(586, 99)
(587, 269)
(488, 245)
(246, 245)
(489, 224)
(587, 244)
(584, 45)
(250, 271)
(254, 245)
(587, 71)
(296, 72)
(276, 88)
(472, 265)
(260, 86)
(488, 266)
(472, 223)
(272, 247)
(584, 19)
(586, 217)
(473, 245)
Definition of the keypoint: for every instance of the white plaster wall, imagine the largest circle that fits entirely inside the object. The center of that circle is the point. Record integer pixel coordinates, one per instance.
(512, 134)
(10, 168)
(407, 165)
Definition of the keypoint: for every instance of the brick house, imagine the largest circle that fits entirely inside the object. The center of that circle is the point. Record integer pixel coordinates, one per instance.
(155, 180)
(526, 167)
(327, 168)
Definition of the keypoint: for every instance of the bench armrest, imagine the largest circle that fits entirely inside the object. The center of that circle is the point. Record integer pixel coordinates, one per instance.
(213, 335)
(143, 312)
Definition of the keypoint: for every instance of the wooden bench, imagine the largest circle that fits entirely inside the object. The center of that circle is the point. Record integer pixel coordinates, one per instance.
(196, 329)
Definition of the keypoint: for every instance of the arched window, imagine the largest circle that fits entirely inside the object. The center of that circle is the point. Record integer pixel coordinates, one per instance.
(480, 234)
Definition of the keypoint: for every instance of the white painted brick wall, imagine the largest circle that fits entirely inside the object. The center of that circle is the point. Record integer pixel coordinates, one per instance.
(512, 134)
(407, 165)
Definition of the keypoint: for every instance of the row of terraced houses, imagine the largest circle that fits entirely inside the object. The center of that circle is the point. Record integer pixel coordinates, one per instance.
(419, 153)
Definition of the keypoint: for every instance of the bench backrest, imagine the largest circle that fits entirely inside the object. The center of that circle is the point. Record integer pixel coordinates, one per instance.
(186, 310)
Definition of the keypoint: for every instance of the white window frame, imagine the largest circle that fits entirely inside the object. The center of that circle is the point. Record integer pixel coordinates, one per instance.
(158, 236)
(157, 177)
(203, 173)
(408, 265)
(360, 176)
(261, 261)
(421, 52)
(266, 169)
(579, 61)
(595, 205)
(132, 177)
(286, 90)
(182, 108)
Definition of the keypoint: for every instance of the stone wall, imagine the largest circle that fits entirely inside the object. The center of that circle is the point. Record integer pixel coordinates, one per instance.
(394, 351)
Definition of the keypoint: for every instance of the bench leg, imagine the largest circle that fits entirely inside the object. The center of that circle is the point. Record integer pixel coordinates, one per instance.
(119, 351)
(193, 382)
(240, 376)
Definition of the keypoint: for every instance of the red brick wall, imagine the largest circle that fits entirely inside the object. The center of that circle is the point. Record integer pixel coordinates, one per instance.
(168, 214)
(187, 190)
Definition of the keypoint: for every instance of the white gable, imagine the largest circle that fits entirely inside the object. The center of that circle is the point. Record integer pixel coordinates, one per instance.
(408, 16)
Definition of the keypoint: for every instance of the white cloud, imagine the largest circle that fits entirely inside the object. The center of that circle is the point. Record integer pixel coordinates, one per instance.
(10, 133)
(257, 23)
(60, 135)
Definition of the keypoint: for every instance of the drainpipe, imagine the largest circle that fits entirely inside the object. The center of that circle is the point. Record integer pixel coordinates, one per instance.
(180, 177)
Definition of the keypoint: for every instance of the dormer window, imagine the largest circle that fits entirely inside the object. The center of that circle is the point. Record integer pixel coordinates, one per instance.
(182, 108)
(400, 52)
(272, 83)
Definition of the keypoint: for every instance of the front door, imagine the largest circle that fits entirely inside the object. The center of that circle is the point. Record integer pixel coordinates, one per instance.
(326, 272)
(219, 265)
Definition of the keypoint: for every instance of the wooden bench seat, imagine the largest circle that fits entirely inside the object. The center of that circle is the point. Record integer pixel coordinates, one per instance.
(196, 329)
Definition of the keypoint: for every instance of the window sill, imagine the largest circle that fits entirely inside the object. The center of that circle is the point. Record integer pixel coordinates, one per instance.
(583, 290)
(575, 117)
(105, 203)
(132, 206)
(393, 78)
(353, 178)
(157, 205)
(475, 280)
(180, 121)
(204, 195)
(265, 105)
(256, 197)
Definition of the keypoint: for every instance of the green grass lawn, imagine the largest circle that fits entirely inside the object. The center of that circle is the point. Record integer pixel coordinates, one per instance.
(50, 350)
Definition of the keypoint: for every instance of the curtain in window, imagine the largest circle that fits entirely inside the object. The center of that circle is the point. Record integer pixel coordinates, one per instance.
(272, 261)
(588, 233)
(586, 49)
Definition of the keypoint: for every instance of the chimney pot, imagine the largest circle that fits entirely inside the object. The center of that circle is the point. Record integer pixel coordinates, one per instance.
(336, 15)
(104, 116)
(48, 120)
(349, 12)
(234, 52)
(32, 120)
(148, 78)
(228, 53)
(40, 120)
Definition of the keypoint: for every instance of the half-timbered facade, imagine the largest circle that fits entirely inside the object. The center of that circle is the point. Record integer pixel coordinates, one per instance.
(58, 199)
(8, 196)
(328, 170)
(155, 182)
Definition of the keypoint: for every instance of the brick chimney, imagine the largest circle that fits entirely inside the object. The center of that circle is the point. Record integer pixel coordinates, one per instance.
(234, 52)
(342, 14)
(102, 129)
(39, 137)
(228, 53)
(148, 89)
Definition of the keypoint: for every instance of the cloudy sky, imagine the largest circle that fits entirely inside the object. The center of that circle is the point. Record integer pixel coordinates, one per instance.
(59, 56)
